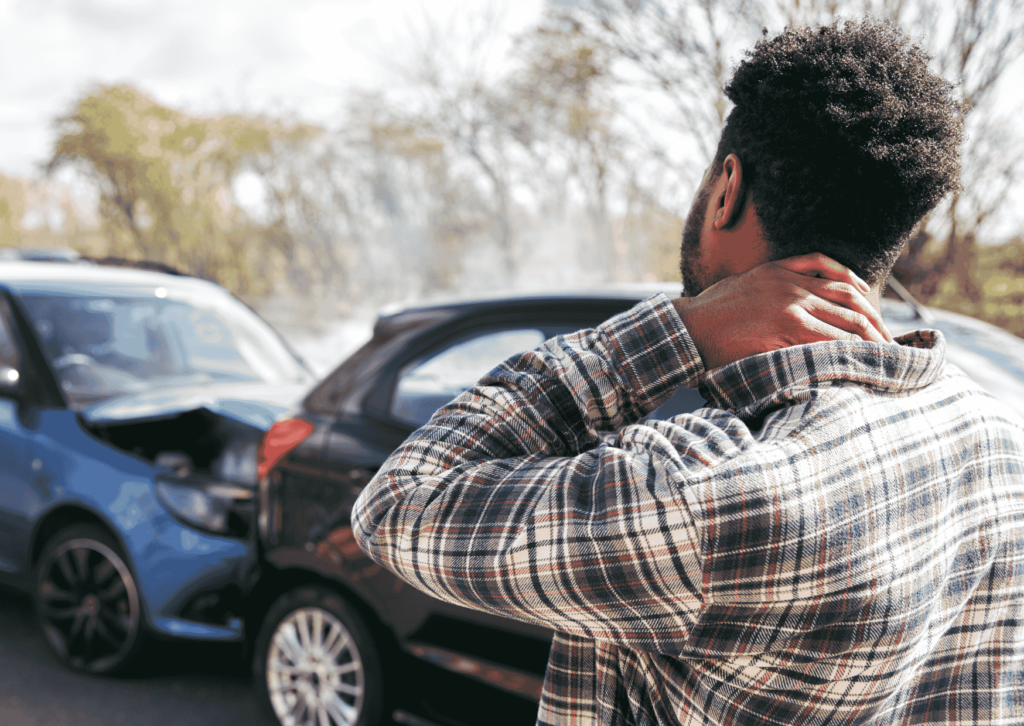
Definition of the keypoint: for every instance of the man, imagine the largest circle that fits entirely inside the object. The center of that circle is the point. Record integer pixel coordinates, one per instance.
(839, 537)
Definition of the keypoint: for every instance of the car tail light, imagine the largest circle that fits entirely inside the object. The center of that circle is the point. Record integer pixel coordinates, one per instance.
(282, 437)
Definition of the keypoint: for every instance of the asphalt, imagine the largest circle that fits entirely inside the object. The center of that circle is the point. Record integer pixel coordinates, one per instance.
(176, 684)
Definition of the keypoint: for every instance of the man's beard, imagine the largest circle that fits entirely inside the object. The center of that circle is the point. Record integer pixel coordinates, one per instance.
(690, 267)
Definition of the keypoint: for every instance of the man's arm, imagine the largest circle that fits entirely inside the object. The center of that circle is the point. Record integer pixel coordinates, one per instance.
(506, 500)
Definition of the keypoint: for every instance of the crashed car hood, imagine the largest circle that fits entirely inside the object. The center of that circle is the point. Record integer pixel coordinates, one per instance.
(255, 404)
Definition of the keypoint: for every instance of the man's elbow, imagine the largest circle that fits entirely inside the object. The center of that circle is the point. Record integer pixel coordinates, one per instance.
(366, 516)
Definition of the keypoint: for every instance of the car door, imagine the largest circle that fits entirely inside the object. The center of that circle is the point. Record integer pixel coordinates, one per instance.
(18, 462)
(316, 502)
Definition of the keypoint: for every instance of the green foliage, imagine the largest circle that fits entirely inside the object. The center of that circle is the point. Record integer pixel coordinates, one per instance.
(999, 272)
(165, 181)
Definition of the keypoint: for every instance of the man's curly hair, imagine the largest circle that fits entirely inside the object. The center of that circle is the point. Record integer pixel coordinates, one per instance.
(846, 140)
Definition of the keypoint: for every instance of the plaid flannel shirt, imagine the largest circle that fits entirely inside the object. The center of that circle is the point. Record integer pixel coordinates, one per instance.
(837, 539)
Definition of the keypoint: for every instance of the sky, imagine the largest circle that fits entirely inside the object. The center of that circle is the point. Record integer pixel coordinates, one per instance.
(290, 58)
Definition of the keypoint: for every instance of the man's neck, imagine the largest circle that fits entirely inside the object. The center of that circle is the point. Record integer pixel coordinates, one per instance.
(874, 296)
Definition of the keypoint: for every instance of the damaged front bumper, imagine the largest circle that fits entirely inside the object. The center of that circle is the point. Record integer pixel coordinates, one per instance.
(191, 535)
(190, 581)
(194, 585)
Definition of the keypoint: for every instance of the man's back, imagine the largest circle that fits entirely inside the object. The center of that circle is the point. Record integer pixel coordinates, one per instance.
(838, 538)
(866, 556)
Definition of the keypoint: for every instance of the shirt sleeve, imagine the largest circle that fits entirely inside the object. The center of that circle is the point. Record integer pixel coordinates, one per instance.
(509, 501)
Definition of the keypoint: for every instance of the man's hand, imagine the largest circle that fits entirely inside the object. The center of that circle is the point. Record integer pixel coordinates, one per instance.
(795, 301)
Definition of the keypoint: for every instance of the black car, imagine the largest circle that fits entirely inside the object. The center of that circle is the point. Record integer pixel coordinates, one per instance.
(340, 636)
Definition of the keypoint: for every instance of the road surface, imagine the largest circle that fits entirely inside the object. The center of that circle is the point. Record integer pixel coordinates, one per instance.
(175, 685)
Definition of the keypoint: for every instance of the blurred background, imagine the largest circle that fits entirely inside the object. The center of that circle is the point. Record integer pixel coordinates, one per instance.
(321, 158)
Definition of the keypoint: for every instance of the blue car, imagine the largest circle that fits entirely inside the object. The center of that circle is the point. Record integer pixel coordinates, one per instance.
(131, 406)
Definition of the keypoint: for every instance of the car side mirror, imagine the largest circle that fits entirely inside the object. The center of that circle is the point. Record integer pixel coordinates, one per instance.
(10, 381)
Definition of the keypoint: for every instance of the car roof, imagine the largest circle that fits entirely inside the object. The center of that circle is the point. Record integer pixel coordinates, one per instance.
(462, 304)
(58, 278)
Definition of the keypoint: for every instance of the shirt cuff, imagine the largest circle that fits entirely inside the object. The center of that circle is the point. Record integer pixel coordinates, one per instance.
(653, 351)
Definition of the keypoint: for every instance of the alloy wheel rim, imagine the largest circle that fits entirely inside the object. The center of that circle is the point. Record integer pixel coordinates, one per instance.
(315, 674)
(88, 605)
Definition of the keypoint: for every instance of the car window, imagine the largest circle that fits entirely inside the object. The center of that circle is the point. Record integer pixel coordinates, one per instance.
(8, 347)
(426, 385)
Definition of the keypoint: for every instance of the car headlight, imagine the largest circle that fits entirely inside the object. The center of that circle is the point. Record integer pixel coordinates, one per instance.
(215, 508)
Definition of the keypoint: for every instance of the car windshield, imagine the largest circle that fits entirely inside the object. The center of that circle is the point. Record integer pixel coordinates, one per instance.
(105, 346)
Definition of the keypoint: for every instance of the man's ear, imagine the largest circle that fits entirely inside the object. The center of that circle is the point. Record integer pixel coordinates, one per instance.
(731, 194)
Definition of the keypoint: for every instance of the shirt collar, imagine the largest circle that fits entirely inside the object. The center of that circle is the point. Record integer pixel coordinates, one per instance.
(751, 387)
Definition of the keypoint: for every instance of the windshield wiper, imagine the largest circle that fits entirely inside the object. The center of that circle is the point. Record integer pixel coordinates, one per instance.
(920, 311)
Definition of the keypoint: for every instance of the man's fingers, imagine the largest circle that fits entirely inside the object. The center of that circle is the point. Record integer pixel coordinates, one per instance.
(809, 328)
(816, 263)
(847, 296)
(820, 275)
(798, 300)
(852, 324)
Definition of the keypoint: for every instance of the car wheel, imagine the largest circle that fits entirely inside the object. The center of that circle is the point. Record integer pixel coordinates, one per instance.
(87, 603)
(316, 663)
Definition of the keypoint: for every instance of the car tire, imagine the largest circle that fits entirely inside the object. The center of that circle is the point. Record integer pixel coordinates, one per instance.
(315, 662)
(87, 602)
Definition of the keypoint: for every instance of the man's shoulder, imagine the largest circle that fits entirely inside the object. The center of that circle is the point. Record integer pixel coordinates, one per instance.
(952, 402)
(981, 403)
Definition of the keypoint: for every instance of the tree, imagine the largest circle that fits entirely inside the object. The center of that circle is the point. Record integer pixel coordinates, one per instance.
(983, 40)
(534, 143)
(12, 208)
(678, 55)
(165, 181)
(561, 112)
